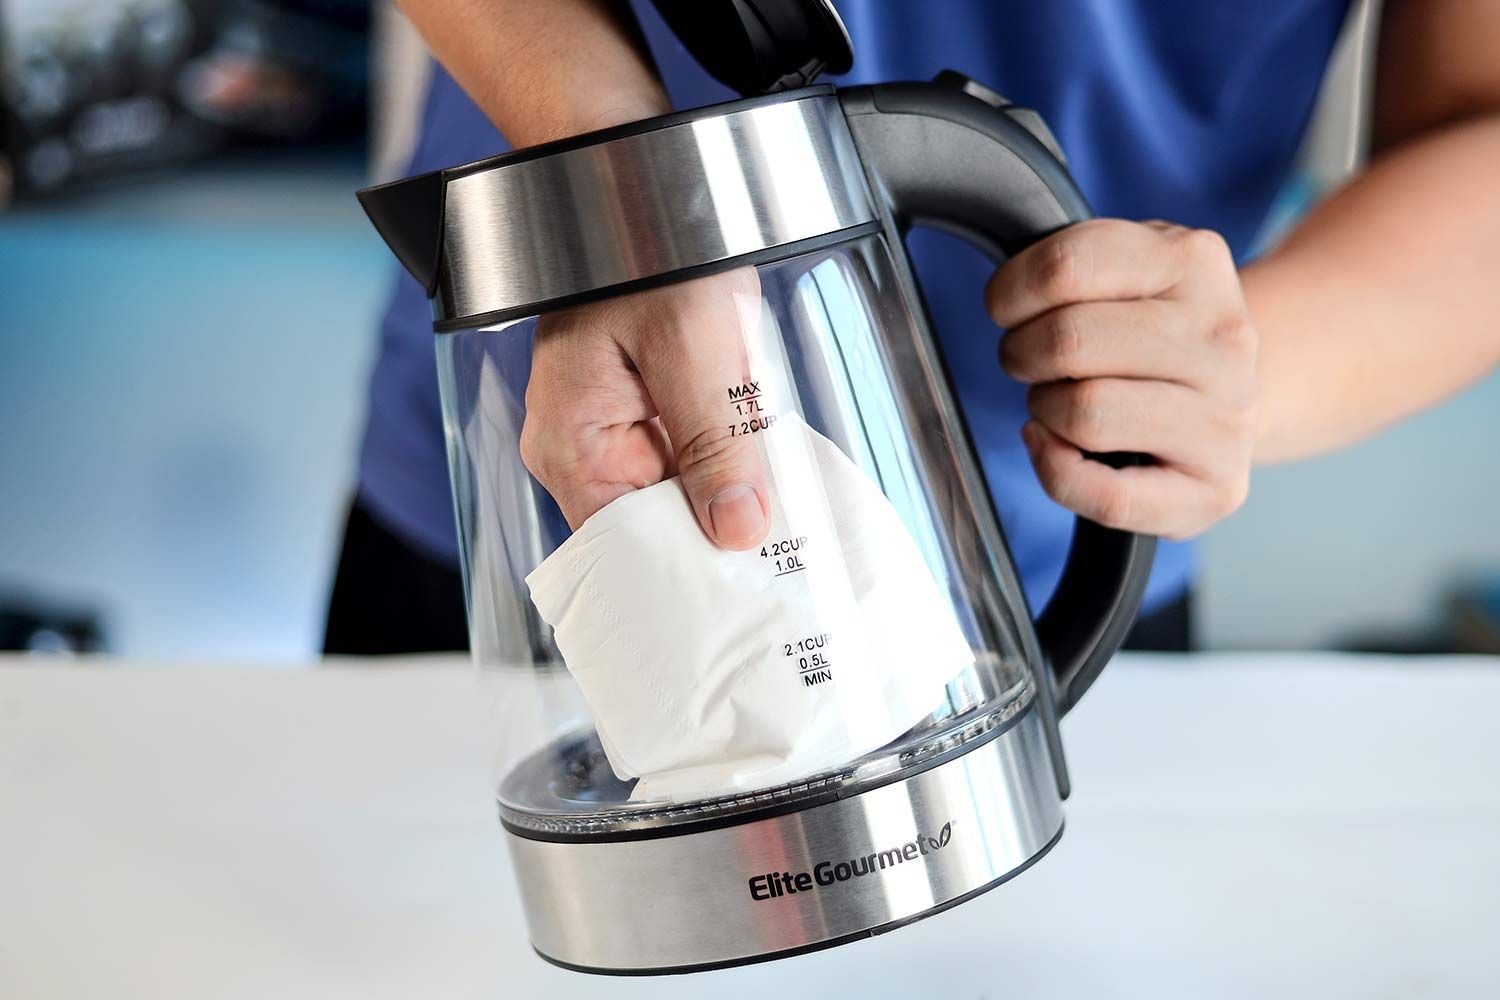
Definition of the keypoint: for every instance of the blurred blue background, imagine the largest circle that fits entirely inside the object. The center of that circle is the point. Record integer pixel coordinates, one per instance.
(182, 390)
(186, 328)
(188, 294)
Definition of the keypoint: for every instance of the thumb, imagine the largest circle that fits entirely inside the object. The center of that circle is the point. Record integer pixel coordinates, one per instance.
(693, 364)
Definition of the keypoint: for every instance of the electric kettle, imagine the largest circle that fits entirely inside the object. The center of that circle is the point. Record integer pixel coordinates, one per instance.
(806, 195)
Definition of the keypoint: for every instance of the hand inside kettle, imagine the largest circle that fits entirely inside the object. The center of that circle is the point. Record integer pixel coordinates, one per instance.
(1133, 337)
(630, 391)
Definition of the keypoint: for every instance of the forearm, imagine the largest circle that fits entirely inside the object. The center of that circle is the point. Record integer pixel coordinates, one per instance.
(1385, 299)
(543, 70)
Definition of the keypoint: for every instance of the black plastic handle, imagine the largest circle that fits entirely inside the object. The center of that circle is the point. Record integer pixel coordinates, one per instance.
(953, 155)
(761, 46)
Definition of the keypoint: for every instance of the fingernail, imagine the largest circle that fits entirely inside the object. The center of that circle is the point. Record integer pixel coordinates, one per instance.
(736, 515)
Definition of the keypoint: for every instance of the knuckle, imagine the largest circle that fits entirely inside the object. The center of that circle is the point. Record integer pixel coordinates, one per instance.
(1058, 276)
(1065, 341)
(1236, 336)
(534, 451)
(1206, 246)
(709, 454)
(652, 330)
(1086, 404)
(1102, 226)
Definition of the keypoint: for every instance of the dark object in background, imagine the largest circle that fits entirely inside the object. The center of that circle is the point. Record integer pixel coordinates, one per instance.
(1474, 616)
(87, 92)
(389, 598)
(288, 69)
(114, 87)
(31, 627)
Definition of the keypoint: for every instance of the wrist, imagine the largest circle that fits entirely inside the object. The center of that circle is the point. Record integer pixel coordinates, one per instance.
(1282, 378)
(580, 115)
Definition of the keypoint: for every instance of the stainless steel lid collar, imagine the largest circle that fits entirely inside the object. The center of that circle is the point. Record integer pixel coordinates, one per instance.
(706, 190)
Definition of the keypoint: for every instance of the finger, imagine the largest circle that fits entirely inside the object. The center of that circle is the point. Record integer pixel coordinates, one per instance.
(1153, 500)
(585, 474)
(589, 435)
(1147, 338)
(692, 359)
(1179, 426)
(1093, 261)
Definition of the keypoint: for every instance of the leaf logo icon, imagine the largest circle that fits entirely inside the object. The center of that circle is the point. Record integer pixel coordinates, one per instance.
(932, 843)
(946, 834)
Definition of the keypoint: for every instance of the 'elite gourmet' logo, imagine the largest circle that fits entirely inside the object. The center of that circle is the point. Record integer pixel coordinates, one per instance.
(774, 884)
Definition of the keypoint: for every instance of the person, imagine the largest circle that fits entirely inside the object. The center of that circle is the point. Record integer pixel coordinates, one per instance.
(1124, 333)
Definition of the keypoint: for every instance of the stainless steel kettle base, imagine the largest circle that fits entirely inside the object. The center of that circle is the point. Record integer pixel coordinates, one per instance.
(756, 887)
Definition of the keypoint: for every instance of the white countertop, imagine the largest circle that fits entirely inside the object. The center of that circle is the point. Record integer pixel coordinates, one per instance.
(1247, 826)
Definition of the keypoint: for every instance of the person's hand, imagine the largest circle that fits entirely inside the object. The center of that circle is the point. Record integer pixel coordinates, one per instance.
(1133, 337)
(629, 391)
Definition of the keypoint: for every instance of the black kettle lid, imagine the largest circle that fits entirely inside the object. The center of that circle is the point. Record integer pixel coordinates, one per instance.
(761, 46)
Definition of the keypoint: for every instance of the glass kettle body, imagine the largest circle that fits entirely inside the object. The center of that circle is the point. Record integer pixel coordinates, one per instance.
(714, 757)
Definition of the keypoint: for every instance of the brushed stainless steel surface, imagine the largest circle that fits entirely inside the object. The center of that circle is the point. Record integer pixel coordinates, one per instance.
(646, 205)
(675, 901)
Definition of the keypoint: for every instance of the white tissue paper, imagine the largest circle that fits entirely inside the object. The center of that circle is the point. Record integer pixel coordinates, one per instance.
(710, 672)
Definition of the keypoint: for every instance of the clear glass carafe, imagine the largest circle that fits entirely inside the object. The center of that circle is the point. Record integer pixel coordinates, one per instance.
(832, 355)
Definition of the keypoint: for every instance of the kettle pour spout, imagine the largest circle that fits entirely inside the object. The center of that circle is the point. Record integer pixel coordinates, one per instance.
(409, 216)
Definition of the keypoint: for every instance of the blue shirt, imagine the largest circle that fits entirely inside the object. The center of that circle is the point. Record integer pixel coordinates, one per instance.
(1185, 110)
